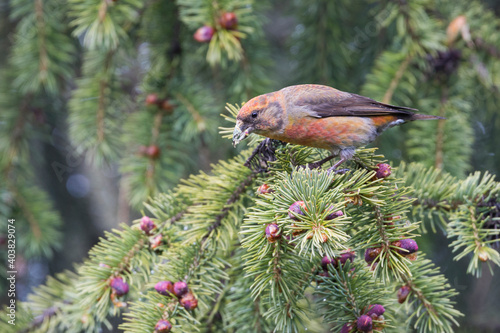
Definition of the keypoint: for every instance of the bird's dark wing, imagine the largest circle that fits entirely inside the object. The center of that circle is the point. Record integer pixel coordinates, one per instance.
(323, 102)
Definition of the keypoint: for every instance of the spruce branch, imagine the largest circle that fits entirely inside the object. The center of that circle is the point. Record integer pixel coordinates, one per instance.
(129, 250)
(225, 43)
(469, 222)
(397, 77)
(466, 208)
(430, 307)
(192, 257)
(42, 54)
(95, 108)
(101, 23)
(342, 300)
(440, 129)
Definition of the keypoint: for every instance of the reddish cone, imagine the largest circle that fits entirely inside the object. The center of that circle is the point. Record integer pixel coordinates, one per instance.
(365, 323)
(375, 309)
(403, 293)
(152, 99)
(119, 286)
(333, 215)
(147, 225)
(180, 288)
(165, 288)
(153, 151)
(163, 326)
(272, 232)
(264, 189)
(298, 207)
(384, 170)
(371, 254)
(189, 302)
(228, 21)
(204, 34)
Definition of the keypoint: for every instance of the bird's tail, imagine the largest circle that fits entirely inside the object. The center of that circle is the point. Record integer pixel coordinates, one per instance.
(418, 116)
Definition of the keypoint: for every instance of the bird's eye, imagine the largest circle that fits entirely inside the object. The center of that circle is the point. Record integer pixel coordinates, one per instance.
(254, 114)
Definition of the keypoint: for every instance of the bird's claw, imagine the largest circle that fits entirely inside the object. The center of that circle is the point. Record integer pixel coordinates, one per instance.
(340, 171)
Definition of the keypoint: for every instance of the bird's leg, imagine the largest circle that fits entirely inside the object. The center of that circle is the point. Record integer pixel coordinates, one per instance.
(319, 163)
(336, 165)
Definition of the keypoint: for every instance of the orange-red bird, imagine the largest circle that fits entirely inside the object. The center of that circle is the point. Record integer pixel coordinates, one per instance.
(320, 116)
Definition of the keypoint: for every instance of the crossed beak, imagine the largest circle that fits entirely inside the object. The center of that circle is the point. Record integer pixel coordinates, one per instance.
(240, 132)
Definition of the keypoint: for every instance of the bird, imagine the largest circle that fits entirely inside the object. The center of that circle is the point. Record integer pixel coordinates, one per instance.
(320, 116)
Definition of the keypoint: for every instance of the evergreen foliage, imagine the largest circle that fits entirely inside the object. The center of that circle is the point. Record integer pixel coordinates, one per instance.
(201, 244)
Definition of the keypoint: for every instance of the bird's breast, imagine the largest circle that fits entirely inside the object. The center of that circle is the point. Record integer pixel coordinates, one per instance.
(330, 133)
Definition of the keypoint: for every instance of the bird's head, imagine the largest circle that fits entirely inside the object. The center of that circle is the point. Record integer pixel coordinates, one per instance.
(261, 115)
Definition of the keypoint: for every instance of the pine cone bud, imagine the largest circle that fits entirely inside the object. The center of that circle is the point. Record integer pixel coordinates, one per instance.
(324, 237)
(228, 21)
(407, 245)
(189, 302)
(483, 255)
(375, 309)
(365, 323)
(162, 326)
(333, 215)
(153, 151)
(372, 253)
(152, 99)
(264, 189)
(180, 288)
(166, 105)
(272, 232)
(298, 207)
(412, 256)
(353, 199)
(346, 328)
(325, 262)
(350, 255)
(147, 225)
(342, 258)
(119, 286)
(165, 288)
(403, 293)
(156, 241)
(384, 170)
(204, 34)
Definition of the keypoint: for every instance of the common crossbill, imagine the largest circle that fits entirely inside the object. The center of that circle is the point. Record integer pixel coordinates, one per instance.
(320, 116)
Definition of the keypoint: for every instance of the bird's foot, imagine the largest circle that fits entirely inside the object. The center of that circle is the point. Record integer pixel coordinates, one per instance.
(338, 172)
(336, 165)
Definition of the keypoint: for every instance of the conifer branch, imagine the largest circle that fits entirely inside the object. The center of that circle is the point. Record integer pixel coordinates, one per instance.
(491, 49)
(397, 77)
(235, 196)
(34, 226)
(40, 23)
(192, 110)
(419, 295)
(342, 302)
(17, 134)
(440, 128)
(431, 308)
(211, 230)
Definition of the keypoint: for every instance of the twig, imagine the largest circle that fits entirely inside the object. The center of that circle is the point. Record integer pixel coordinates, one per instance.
(440, 129)
(395, 81)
